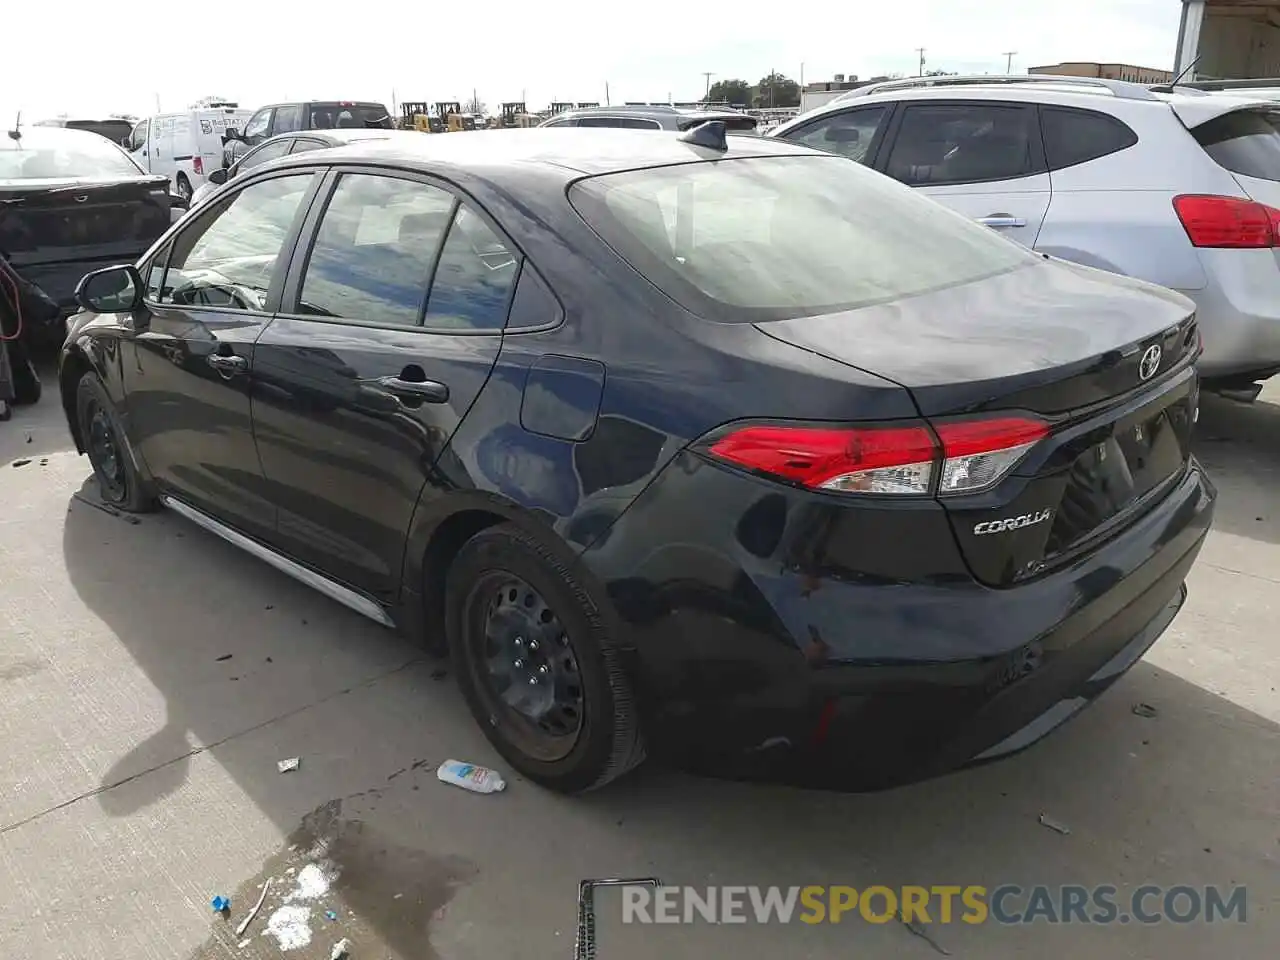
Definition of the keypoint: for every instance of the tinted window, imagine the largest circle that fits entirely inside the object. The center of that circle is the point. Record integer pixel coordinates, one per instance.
(1077, 136)
(257, 125)
(848, 134)
(347, 116)
(474, 277)
(374, 250)
(1246, 142)
(138, 139)
(268, 151)
(632, 123)
(114, 130)
(533, 304)
(779, 237)
(962, 143)
(227, 258)
(288, 119)
(55, 153)
(560, 123)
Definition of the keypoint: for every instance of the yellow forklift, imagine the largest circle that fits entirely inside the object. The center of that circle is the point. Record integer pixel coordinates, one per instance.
(451, 119)
(514, 114)
(415, 115)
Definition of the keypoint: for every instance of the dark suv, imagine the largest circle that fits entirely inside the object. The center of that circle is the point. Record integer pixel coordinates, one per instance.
(651, 117)
(313, 115)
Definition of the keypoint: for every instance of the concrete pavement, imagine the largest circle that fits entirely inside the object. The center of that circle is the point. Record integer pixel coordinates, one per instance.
(151, 676)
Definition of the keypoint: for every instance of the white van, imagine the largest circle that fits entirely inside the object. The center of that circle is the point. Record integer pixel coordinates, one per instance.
(185, 146)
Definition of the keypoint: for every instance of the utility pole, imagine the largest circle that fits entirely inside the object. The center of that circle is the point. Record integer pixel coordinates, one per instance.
(708, 75)
(1008, 60)
(607, 102)
(920, 50)
(802, 76)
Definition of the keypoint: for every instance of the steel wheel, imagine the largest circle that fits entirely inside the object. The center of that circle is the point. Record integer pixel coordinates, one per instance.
(105, 454)
(525, 666)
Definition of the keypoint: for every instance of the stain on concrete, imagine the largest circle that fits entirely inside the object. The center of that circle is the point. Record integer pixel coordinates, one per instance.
(385, 896)
(14, 669)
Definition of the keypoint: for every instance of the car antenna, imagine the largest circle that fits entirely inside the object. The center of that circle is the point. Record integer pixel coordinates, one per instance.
(16, 133)
(1168, 87)
(709, 133)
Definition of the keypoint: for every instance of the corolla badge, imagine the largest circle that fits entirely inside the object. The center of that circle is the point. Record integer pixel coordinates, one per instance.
(1013, 523)
(1150, 362)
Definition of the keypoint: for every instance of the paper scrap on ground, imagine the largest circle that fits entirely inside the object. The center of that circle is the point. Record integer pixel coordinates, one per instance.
(291, 927)
(285, 766)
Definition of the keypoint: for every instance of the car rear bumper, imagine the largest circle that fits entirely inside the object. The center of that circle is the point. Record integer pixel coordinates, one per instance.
(1238, 311)
(836, 680)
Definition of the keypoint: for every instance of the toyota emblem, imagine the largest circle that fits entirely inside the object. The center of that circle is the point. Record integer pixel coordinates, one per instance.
(1150, 362)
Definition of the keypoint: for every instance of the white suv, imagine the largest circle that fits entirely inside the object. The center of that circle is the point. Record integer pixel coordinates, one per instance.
(1180, 188)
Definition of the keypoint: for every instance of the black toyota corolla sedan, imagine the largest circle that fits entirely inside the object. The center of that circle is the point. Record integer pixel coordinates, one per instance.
(709, 447)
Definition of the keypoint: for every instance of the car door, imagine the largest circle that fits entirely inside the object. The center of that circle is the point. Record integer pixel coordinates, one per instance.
(287, 119)
(211, 291)
(390, 325)
(983, 158)
(856, 133)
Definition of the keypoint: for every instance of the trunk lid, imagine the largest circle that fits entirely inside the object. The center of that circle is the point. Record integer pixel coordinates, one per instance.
(53, 221)
(1061, 342)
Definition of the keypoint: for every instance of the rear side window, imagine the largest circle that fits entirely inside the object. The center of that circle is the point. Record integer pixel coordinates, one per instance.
(1246, 142)
(349, 116)
(963, 143)
(771, 238)
(1078, 136)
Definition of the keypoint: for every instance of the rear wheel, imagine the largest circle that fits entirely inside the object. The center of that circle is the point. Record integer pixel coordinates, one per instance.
(184, 187)
(536, 664)
(103, 438)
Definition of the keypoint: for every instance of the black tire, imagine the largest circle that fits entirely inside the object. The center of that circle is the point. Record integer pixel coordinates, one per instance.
(608, 741)
(184, 187)
(118, 480)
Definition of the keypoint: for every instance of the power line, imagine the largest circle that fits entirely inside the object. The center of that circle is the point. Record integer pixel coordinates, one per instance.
(920, 50)
(1008, 60)
(708, 74)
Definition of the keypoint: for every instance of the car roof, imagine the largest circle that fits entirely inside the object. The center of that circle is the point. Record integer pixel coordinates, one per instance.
(573, 151)
(656, 111)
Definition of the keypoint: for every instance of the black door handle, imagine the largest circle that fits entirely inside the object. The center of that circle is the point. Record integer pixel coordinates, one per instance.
(424, 391)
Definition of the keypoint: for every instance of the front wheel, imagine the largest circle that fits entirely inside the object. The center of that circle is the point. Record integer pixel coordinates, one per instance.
(103, 439)
(537, 665)
(184, 187)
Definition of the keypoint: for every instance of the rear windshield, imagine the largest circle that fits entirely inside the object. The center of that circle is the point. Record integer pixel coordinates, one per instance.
(113, 130)
(358, 116)
(1246, 142)
(59, 154)
(771, 238)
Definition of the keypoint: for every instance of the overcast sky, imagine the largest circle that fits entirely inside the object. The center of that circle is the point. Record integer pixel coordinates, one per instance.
(93, 57)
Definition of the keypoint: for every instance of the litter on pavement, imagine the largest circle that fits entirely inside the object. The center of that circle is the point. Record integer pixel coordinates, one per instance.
(340, 950)
(1054, 825)
(244, 924)
(470, 776)
(220, 904)
(286, 766)
(1145, 710)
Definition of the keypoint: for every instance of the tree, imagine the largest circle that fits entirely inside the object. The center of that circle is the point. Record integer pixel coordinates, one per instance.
(776, 90)
(730, 91)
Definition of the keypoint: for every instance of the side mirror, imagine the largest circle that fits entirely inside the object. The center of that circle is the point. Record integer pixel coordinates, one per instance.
(231, 134)
(218, 176)
(842, 135)
(111, 290)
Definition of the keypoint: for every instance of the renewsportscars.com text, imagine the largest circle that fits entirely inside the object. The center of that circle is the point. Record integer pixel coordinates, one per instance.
(1006, 904)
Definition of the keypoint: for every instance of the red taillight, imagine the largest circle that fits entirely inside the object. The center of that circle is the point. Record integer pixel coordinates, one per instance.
(1228, 222)
(901, 459)
(197, 164)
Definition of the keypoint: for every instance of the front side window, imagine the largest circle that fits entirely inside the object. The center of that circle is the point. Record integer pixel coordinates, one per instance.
(770, 238)
(258, 123)
(268, 151)
(848, 134)
(303, 144)
(228, 258)
(628, 123)
(374, 250)
(963, 143)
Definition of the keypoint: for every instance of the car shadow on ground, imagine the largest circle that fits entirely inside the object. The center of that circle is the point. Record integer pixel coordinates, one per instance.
(1239, 444)
(254, 667)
